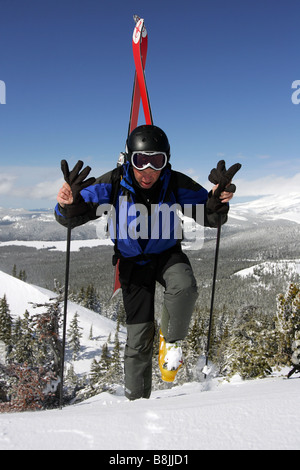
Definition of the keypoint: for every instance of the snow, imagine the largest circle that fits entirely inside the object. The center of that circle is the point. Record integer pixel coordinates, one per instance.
(58, 245)
(278, 267)
(274, 207)
(173, 358)
(252, 415)
(21, 296)
(257, 414)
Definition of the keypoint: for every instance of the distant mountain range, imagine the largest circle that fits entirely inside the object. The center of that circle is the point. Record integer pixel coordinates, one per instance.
(271, 208)
(32, 225)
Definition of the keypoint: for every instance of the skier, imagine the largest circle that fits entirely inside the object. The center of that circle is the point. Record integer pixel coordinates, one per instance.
(146, 180)
(295, 356)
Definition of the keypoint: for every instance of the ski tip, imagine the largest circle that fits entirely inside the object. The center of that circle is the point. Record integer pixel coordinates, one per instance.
(115, 293)
(139, 32)
(136, 18)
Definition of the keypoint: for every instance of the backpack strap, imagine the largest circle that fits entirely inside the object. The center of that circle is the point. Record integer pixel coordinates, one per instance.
(116, 177)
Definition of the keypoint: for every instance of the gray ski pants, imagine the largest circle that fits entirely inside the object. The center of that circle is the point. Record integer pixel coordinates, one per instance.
(172, 269)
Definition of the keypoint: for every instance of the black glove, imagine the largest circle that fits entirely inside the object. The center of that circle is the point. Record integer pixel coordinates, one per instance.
(223, 178)
(77, 182)
(75, 179)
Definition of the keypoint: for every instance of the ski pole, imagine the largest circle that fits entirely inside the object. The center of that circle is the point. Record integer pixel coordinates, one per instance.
(222, 178)
(65, 313)
(205, 369)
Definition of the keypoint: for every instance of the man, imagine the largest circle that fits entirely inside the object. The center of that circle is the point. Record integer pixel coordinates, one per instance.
(146, 252)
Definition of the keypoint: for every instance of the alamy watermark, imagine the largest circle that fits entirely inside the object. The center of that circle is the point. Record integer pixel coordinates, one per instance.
(296, 94)
(2, 92)
(161, 221)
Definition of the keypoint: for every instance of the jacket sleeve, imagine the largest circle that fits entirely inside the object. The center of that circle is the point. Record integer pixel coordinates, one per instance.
(189, 192)
(93, 196)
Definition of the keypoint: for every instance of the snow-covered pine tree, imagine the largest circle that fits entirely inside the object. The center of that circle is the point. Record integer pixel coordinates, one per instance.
(91, 300)
(22, 275)
(191, 352)
(287, 323)
(105, 360)
(5, 322)
(77, 297)
(24, 346)
(91, 332)
(73, 382)
(247, 352)
(47, 334)
(100, 376)
(116, 370)
(95, 373)
(74, 335)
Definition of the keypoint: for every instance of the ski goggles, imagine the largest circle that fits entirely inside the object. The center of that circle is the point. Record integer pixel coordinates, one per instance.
(155, 160)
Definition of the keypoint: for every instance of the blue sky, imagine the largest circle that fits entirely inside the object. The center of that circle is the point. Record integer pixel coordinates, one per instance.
(219, 75)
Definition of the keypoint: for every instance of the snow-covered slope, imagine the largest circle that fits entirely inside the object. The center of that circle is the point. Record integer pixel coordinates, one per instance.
(59, 245)
(278, 268)
(273, 207)
(258, 414)
(21, 296)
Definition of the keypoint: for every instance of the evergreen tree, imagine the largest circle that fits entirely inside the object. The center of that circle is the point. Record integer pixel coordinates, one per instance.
(23, 275)
(91, 333)
(116, 370)
(287, 323)
(80, 297)
(105, 360)
(95, 373)
(247, 353)
(14, 271)
(91, 300)
(5, 322)
(58, 288)
(193, 339)
(191, 352)
(23, 341)
(74, 336)
(71, 378)
(46, 327)
(100, 373)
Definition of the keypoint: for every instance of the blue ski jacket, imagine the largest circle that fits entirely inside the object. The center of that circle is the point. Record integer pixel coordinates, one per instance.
(140, 227)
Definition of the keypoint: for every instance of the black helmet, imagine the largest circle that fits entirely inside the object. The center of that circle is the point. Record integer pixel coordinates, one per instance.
(147, 138)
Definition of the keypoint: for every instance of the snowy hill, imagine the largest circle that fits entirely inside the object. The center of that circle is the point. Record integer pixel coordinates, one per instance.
(257, 414)
(25, 225)
(275, 207)
(277, 268)
(20, 297)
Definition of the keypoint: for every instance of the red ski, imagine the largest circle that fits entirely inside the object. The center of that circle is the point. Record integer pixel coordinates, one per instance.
(139, 34)
(136, 94)
(139, 46)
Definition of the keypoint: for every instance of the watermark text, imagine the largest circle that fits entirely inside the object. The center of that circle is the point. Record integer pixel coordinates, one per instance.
(2, 92)
(160, 222)
(296, 94)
